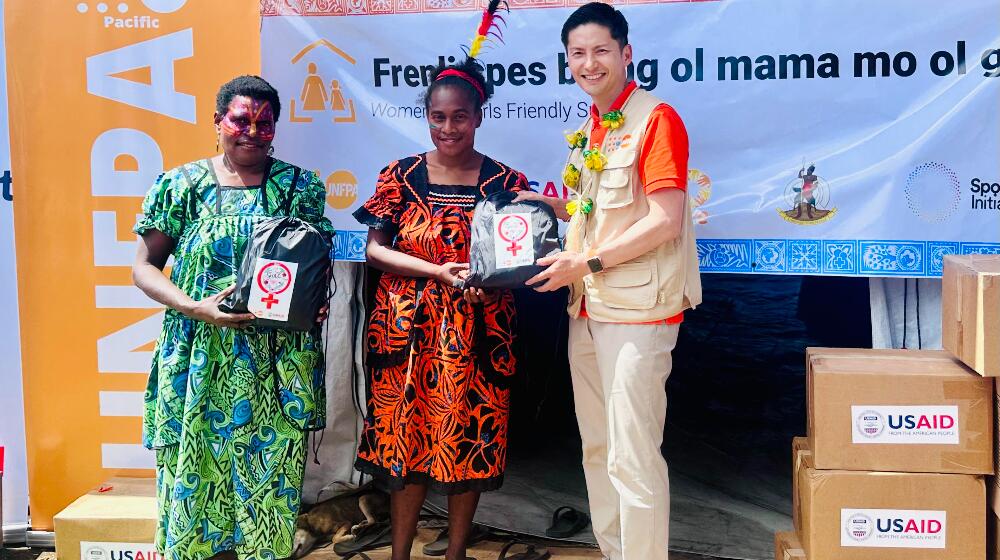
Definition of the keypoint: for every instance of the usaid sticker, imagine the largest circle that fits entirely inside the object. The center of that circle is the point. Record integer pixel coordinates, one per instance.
(271, 290)
(905, 424)
(118, 551)
(512, 240)
(892, 528)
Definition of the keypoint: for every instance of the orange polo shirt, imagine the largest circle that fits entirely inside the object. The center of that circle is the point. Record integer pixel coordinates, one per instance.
(663, 156)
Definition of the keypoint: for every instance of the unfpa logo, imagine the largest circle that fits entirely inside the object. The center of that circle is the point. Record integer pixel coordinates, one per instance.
(320, 98)
(341, 189)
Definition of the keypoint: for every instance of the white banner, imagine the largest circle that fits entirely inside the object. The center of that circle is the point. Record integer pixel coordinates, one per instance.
(842, 138)
(15, 476)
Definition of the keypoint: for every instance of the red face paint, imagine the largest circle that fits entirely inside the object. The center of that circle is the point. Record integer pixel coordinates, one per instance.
(250, 117)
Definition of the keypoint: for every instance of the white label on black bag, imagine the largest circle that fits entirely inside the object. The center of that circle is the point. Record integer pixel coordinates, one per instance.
(513, 240)
(893, 528)
(905, 424)
(271, 291)
(118, 551)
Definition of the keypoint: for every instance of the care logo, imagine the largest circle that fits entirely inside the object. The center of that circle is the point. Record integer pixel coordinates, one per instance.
(859, 527)
(870, 424)
(320, 97)
(807, 198)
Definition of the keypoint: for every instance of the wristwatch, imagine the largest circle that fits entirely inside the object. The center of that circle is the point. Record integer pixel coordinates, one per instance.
(595, 264)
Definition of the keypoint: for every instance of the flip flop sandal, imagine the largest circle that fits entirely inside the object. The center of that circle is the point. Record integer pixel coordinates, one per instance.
(374, 536)
(531, 552)
(566, 522)
(440, 545)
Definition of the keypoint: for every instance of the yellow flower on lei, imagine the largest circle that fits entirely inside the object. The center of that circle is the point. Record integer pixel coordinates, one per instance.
(612, 120)
(576, 140)
(594, 159)
(571, 176)
(584, 205)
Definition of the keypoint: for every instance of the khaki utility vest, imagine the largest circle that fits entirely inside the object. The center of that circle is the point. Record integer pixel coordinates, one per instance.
(653, 286)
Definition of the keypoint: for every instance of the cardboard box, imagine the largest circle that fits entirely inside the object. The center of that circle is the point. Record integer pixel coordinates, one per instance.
(993, 482)
(788, 547)
(898, 410)
(800, 449)
(857, 515)
(109, 522)
(970, 311)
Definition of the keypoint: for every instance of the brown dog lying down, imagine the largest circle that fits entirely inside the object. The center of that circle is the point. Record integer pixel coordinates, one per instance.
(339, 518)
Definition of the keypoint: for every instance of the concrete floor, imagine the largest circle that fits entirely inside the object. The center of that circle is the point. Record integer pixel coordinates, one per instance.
(489, 550)
(483, 551)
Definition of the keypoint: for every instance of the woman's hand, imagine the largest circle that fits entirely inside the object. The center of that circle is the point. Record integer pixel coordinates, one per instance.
(474, 295)
(207, 310)
(451, 273)
(324, 314)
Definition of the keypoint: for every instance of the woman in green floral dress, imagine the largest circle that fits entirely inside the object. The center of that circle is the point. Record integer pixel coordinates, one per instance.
(228, 405)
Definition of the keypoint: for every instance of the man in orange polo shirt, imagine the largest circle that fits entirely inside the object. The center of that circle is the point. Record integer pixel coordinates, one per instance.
(632, 269)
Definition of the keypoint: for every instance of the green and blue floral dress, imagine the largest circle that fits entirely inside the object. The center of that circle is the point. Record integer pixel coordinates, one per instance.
(228, 410)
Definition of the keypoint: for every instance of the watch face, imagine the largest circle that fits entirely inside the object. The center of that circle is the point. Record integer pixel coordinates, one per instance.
(595, 264)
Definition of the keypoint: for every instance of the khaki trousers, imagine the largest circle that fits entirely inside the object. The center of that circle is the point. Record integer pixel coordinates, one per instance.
(619, 385)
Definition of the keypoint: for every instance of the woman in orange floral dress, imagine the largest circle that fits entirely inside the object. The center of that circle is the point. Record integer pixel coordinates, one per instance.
(439, 356)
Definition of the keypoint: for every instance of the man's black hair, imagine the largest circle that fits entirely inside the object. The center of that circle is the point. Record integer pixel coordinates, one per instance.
(601, 14)
(253, 87)
(469, 66)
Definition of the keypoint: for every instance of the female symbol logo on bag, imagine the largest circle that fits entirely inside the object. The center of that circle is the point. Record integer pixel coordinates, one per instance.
(511, 248)
(271, 279)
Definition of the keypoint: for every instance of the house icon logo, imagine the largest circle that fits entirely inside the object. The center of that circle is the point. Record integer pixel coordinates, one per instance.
(320, 98)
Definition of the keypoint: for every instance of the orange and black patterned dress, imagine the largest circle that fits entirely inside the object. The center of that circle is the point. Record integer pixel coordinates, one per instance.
(438, 366)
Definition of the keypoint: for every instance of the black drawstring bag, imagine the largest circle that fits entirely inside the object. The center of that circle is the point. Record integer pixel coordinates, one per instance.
(285, 274)
(507, 238)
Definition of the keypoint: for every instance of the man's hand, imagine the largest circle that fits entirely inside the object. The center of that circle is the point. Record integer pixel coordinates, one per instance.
(564, 268)
(558, 205)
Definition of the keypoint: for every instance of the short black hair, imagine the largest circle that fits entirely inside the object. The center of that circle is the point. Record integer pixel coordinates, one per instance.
(473, 69)
(253, 87)
(601, 14)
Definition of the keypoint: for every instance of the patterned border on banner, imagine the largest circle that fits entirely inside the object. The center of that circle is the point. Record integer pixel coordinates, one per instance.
(789, 256)
(385, 7)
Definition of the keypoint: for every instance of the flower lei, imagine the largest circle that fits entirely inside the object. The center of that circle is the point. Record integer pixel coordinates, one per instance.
(593, 159)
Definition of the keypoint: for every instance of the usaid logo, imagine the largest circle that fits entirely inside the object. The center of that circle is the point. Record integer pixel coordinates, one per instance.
(871, 424)
(905, 424)
(884, 528)
(860, 527)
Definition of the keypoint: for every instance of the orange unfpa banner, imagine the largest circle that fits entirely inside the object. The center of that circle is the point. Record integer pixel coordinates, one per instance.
(104, 96)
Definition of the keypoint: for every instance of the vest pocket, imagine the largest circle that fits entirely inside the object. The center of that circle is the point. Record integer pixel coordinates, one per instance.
(615, 190)
(630, 285)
